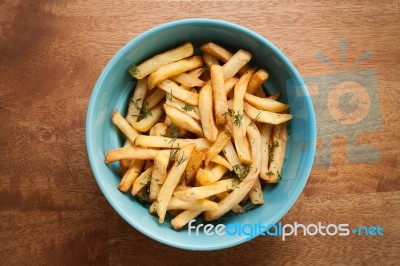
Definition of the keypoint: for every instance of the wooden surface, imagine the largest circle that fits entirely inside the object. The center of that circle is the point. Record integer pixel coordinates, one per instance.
(51, 53)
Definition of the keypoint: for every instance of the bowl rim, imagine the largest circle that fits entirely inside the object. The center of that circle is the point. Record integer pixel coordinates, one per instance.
(198, 21)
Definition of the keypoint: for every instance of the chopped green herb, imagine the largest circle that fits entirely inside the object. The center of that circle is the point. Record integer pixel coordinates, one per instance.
(133, 69)
(169, 96)
(181, 160)
(241, 171)
(173, 154)
(237, 118)
(255, 119)
(188, 107)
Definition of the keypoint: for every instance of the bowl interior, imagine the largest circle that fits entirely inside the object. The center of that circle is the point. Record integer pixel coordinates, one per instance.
(114, 87)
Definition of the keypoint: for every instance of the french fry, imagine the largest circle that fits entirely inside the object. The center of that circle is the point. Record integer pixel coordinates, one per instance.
(174, 69)
(230, 154)
(235, 63)
(172, 180)
(194, 164)
(167, 121)
(219, 94)
(183, 120)
(218, 159)
(210, 60)
(274, 96)
(256, 196)
(239, 127)
(124, 126)
(154, 98)
(159, 173)
(221, 53)
(130, 153)
(158, 129)
(245, 186)
(188, 109)
(136, 102)
(260, 93)
(188, 80)
(265, 103)
(142, 181)
(236, 209)
(149, 120)
(279, 138)
(210, 130)
(164, 142)
(173, 90)
(265, 116)
(200, 205)
(124, 164)
(223, 137)
(159, 60)
(209, 176)
(229, 84)
(183, 218)
(257, 80)
(196, 72)
(265, 132)
(202, 192)
(130, 175)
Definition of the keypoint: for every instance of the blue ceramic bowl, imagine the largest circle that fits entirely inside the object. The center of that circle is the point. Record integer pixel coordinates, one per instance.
(112, 91)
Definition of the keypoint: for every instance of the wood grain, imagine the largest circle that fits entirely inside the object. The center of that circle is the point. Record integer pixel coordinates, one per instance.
(51, 53)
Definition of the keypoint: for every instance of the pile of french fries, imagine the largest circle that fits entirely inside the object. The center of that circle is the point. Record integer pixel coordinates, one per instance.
(200, 134)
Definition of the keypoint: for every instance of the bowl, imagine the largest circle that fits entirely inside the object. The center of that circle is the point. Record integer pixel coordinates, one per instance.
(112, 91)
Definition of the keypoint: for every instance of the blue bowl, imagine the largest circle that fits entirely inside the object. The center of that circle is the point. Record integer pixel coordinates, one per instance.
(112, 91)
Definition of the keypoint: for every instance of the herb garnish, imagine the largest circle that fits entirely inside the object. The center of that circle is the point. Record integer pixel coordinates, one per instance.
(241, 171)
(188, 107)
(133, 69)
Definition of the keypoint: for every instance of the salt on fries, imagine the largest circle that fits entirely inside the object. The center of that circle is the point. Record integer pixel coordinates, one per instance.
(200, 140)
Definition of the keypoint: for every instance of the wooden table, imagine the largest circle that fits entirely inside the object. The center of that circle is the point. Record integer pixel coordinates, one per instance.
(51, 53)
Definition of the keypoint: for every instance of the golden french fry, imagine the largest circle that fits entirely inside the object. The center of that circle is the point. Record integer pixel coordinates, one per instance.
(235, 63)
(279, 138)
(154, 98)
(210, 130)
(210, 60)
(229, 85)
(240, 192)
(142, 181)
(183, 218)
(236, 209)
(164, 142)
(230, 154)
(274, 96)
(159, 60)
(218, 159)
(159, 129)
(196, 72)
(223, 137)
(174, 69)
(209, 176)
(124, 164)
(159, 173)
(221, 53)
(136, 102)
(257, 80)
(260, 93)
(237, 114)
(194, 164)
(265, 132)
(149, 119)
(219, 94)
(183, 120)
(173, 90)
(200, 205)
(172, 180)
(192, 111)
(130, 153)
(256, 196)
(203, 192)
(188, 80)
(124, 126)
(257, 115)
(265, 103)
(130, 175)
